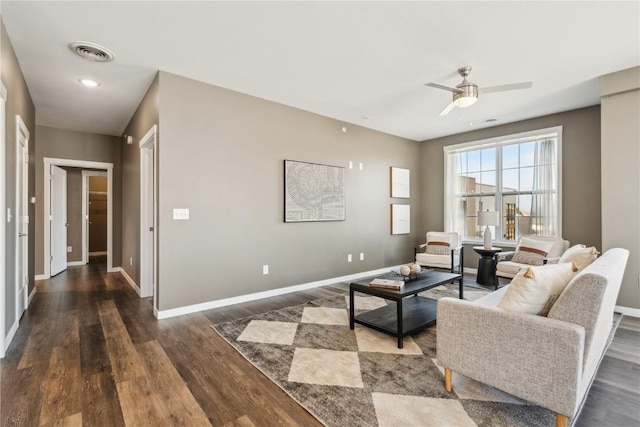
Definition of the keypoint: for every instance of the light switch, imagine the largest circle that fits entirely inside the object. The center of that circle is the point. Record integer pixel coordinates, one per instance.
(181, 214)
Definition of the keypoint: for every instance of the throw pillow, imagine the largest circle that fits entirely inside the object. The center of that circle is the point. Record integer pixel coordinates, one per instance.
(581, 255)
(532, 252)
(534, 290)
(438, 248)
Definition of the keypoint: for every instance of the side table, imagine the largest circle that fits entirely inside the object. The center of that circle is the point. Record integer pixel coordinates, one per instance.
(487, 266)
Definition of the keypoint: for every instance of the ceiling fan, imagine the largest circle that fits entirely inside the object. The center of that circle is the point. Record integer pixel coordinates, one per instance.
(466, 93)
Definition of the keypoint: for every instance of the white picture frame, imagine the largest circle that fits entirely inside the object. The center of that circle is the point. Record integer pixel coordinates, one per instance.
(400, 219)
(400, 183)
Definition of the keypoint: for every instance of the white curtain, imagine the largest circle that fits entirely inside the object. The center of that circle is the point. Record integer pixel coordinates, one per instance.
(453, 212)
(544, 208)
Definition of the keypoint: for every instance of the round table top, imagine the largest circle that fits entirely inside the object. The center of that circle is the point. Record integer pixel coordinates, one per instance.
(481, 250)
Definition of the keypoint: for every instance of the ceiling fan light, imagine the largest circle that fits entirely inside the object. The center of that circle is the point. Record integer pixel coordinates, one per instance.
(465, 101)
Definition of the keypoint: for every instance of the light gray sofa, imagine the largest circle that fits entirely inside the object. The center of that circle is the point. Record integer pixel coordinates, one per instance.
(550, 361)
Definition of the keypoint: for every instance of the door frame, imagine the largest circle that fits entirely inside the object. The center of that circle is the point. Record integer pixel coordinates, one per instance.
(85, 211)
(3, 217)
(22, 207)
(148, 198)
(48, 161)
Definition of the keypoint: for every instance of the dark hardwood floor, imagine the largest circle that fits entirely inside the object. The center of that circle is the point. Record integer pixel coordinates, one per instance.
(90, 352)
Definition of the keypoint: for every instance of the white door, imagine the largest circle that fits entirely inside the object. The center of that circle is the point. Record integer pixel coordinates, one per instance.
(148, 215)
(22, 217)
(58, 220)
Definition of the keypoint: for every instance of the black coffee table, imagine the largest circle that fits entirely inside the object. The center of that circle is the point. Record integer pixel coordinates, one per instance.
(406, 316)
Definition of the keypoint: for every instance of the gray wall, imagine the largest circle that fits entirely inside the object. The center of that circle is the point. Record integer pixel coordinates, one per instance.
(221, 156)
(580, 173)
(67, 144)
(143, 119)
(621, 174)
(18, 102)
(74, 213)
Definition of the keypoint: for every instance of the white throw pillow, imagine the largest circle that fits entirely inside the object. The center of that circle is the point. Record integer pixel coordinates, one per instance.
(580, 254)
(532, 252)
(534, 290)
(438, 245)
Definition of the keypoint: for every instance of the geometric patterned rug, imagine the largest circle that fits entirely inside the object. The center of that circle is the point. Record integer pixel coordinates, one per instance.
(360, 377)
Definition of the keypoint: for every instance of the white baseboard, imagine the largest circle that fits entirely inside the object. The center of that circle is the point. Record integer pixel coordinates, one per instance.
(41, 277)
(470, 270)
(128, 279)
(31, 295)
(97, 253)
(9, 337)
(627, 311)
(165, 314)
(75, 263)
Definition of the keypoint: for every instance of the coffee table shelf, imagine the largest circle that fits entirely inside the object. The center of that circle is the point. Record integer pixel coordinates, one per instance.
(417, 313)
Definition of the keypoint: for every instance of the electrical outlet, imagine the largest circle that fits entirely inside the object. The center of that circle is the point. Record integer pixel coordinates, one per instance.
(131, 261)
(361, 256)
(265, 269)
(361, 166)
(181, 214)
(69, 248)
(349, 258)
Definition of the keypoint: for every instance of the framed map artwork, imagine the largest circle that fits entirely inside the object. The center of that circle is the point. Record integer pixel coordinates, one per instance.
(313, 192)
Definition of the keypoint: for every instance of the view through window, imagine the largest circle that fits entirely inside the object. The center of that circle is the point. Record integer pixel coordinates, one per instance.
(516, 175)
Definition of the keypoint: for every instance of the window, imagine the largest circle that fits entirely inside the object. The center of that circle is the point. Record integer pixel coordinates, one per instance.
(516, 175)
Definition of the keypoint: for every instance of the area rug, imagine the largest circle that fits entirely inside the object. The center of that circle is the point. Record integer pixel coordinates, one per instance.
(361, 378)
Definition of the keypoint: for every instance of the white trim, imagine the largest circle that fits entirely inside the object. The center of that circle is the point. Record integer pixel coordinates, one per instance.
(128, 279)
(48, 161)
(148, 163)
(470, 270)
(97, 253)
(627, 311)
(31, 295)
(40, 277)
(85, 212)
(9, 338)
(3, 216)
(75, 263)
(165, 314)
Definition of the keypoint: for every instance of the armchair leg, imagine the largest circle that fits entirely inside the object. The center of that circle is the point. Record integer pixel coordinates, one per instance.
(561, 420)
(447, 380)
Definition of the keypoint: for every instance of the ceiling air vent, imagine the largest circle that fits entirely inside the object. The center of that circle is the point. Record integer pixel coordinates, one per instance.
(92, 51)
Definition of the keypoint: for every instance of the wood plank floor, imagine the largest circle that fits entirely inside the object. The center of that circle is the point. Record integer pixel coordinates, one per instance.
(89, 352)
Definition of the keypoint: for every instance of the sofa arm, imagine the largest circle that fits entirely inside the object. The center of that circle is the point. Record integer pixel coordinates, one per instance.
(535, 358)
(504, 256)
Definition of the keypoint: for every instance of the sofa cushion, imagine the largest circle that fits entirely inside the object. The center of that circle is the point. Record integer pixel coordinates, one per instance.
(532, 252)
(534, 289)
(580, 254)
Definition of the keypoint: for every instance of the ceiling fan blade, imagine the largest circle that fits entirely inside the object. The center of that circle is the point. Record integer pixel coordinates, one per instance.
(444, 87)
(447, 109)
(503, 88)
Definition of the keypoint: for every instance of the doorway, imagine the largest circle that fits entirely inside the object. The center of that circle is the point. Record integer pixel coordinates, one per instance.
(48, 161)
(95, 200)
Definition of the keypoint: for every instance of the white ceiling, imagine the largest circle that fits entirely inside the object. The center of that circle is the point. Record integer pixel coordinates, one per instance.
(346, 60)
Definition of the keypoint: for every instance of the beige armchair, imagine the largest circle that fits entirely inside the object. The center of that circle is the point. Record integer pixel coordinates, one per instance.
(442, 250)
(506, 267)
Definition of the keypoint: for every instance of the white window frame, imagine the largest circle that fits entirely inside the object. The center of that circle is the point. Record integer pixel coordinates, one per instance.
(533, 135)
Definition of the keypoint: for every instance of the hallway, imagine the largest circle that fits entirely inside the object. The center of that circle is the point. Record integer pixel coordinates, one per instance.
(90, 352)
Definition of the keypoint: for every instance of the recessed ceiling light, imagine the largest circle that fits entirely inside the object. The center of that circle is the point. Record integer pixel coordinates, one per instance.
(89, 82)
(490, 120)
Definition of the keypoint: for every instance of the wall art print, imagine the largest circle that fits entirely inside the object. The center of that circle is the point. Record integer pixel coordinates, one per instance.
(313, 192)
